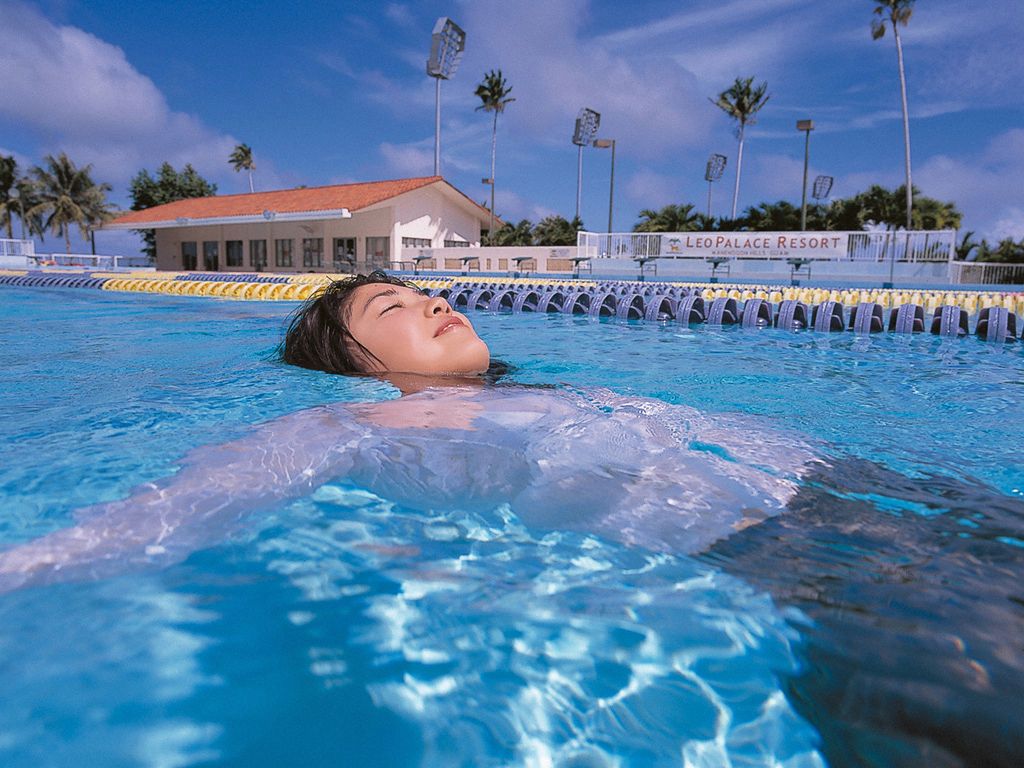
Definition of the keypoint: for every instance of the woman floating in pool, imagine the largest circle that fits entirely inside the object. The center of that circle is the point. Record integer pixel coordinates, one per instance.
(639, 471)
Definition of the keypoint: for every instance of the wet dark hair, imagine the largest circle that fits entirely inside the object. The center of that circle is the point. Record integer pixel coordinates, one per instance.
(318, 336)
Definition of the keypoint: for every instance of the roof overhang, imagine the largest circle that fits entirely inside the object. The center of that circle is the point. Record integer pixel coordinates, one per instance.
(248, 218)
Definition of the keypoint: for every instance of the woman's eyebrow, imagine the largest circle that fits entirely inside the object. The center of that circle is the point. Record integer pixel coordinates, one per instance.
(388, 292)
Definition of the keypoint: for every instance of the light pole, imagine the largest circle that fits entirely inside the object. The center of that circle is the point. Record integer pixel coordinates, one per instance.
(447, 42)
(713, 172)
(587, 122)
(806, 126)
(605, 144)
(490, 231)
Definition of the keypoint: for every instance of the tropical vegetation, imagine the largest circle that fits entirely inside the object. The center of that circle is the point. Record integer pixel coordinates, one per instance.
(19, 195)
(241, 160)
(8, 182)
(897, 13)
(671, 218)
(67, 196)
(551, 230)
(742, 101)
(167, 186)
(493, 92)
(876, 207)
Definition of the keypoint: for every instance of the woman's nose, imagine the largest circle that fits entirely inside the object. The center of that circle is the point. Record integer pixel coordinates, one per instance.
(439, 306)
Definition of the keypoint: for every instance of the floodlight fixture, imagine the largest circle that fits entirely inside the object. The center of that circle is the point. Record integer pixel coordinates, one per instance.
(713, 172)
(587, 123)
(447, 44)
(715, 167)
(806, 126)
(822, 187)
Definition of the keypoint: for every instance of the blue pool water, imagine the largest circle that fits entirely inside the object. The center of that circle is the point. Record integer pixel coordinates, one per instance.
(877, 620)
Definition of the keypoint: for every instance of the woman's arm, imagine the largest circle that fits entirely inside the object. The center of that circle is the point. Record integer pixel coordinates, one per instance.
(216, 486)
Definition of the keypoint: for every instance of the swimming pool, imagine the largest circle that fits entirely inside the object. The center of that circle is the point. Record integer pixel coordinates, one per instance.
(876, 621)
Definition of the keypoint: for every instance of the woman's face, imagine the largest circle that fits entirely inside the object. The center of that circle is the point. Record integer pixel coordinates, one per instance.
(409, 332)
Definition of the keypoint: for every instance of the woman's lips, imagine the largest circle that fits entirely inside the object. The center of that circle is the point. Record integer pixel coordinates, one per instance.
(447, 325)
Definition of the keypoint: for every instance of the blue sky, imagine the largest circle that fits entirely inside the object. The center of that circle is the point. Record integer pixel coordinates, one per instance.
(336, 92)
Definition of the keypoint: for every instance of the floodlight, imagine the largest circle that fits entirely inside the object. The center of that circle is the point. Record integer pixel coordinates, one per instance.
(447, 42)
(822, 187)
(712, 173)
(715, 167)
(587, 123)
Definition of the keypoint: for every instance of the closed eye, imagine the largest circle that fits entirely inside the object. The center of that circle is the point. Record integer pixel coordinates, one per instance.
(388, 309)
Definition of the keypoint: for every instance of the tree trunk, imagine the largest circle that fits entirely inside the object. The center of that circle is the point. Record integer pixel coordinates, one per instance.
(739, 167)
(906, 124)
(251, 188)
(67, 240)
(494, 152)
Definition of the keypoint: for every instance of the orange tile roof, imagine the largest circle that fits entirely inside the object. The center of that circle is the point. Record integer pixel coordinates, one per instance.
(351, 196)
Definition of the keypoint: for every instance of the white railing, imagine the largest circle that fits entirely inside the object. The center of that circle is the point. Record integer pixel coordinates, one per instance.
(17, 248)
(90, 260)
(984, 273)
(929, 246)
(882, 246)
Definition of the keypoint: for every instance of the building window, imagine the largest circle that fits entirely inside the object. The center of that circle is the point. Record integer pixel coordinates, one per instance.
(456, 244)
(283, 253)
(258, 254)
(211, 257)
(415, 242)
(378, 252)
(312, 251)
(344, 253)
(233, 253)
(189, 255)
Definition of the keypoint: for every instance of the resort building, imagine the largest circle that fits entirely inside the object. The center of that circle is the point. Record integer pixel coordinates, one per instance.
(376, 224)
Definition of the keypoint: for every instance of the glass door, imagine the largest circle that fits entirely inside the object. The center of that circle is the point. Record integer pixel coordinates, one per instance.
(378, 252)
(344, 253)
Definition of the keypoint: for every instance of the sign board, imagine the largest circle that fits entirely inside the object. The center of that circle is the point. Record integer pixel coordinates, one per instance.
(755, 245)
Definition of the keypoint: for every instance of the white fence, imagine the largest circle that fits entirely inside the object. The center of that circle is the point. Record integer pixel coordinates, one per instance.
(17, 248)
(20, 254)
(982, 273)
(89, 260)
(912, 247)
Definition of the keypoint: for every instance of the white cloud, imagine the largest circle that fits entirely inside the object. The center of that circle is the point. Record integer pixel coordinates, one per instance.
(650, 189)
(648, 103)
(1010, 225)
(85, 98)
(512, 207)
(986, 186)
(408, 159)
(399, 13)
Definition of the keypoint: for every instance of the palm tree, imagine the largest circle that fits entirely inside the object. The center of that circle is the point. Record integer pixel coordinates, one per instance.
(897, 13)
(28, 200)
(671, 218)
(741, 101)
(68, 195)
(241, 159)
(494, 92)
(966, 245)
(781, 216)
(8, 180)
